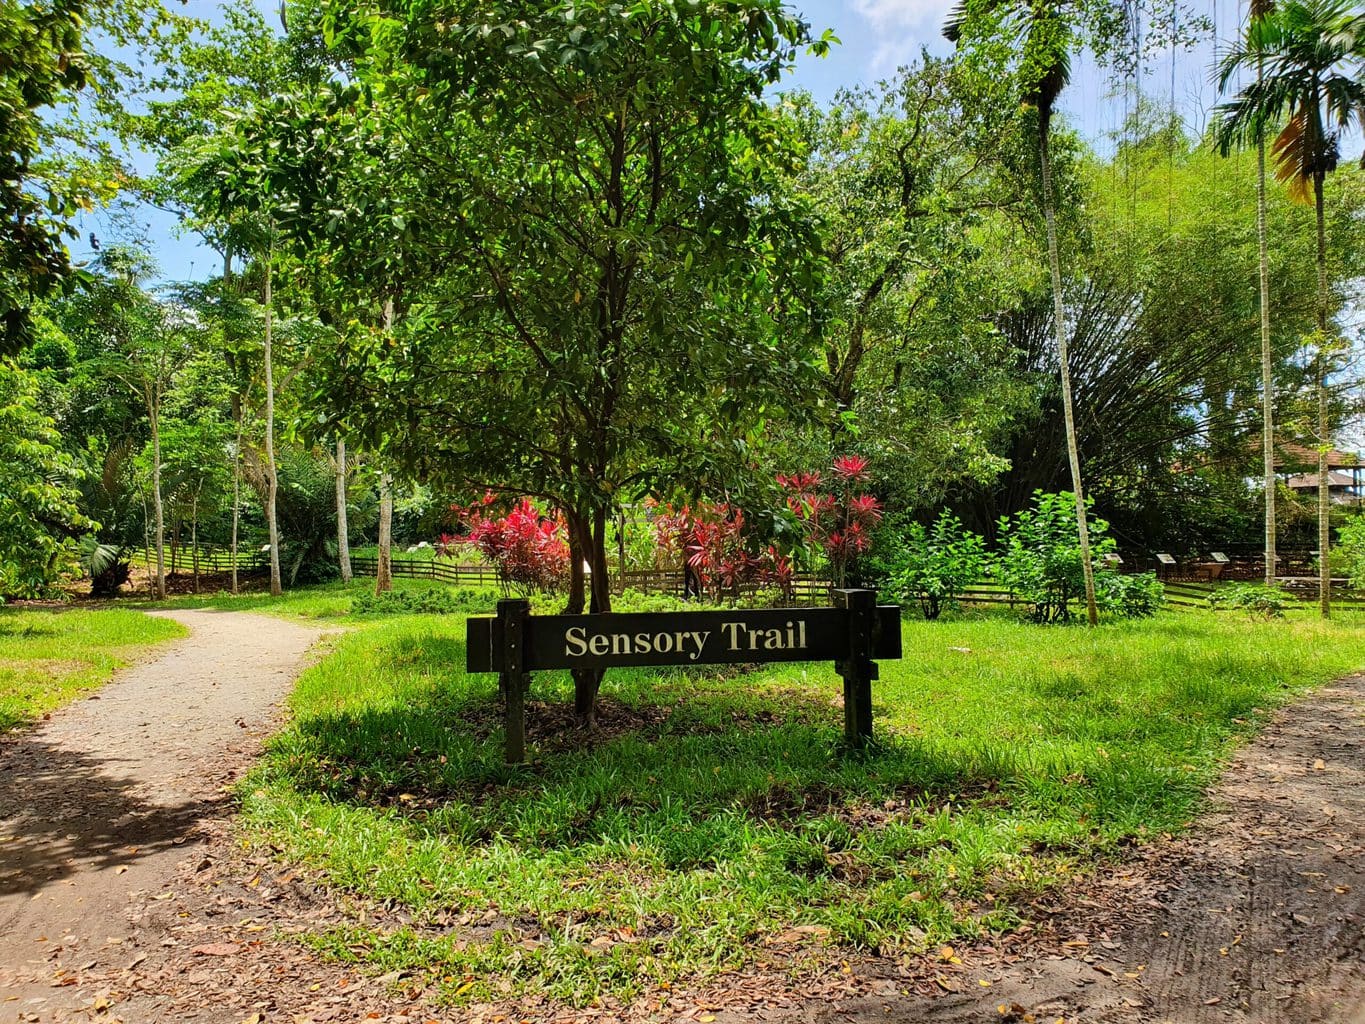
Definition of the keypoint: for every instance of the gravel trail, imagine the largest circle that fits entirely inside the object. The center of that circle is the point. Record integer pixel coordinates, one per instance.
(101, 805)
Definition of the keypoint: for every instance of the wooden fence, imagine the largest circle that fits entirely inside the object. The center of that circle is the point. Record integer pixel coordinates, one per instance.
(806, 588)
(210, 559)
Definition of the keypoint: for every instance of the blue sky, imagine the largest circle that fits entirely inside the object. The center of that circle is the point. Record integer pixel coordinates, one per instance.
(877, 36)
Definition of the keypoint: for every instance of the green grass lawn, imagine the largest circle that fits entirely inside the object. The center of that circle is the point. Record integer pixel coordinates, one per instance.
(48, 657)
(715, 814)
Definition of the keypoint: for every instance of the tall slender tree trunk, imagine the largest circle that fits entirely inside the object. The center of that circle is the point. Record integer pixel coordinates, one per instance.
(194, 536)
(1267, 366)
(237, 415)
(154, 417)
(236, 496)
(343, 528)
(383, 574)
(1324, 435)
(272, 476)
(1063, 355)
(147, 546)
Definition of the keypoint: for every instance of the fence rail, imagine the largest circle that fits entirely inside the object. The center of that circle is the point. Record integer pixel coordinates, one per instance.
(210, 559)
(805, 588)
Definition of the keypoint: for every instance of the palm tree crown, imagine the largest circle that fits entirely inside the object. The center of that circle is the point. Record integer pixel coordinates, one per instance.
(1308, 53)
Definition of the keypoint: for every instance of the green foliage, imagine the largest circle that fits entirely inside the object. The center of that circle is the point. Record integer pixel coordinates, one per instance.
(916, 184)
(930, 565)
(1256, 599)
(1040, 556)
(427, 601)
(1349, 553)
(1306, 55)
(39, 517)
(43, 66)
(1135, 596)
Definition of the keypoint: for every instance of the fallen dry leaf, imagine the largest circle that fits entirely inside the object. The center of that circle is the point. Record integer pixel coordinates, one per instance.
(216, 949)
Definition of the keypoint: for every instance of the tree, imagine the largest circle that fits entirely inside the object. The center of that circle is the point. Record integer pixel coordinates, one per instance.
(615, 252)
(1259, 9)
(141, 343)
(1046, 37)
(1307, 57)
(44, 65)
(39, 518)
(916, 185)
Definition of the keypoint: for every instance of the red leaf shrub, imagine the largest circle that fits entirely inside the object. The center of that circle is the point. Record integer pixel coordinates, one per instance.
(839, 522)
(530, 551)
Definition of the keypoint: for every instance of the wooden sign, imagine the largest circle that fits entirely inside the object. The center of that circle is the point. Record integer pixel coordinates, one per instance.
(851, 634)
(680, 638)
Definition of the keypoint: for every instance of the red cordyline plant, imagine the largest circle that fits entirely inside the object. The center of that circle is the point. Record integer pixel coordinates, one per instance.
(529, 550)
(715, 545)
(838, 521)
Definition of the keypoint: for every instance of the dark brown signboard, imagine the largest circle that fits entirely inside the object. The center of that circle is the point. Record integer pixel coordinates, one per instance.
(680, 638)
(852, 634)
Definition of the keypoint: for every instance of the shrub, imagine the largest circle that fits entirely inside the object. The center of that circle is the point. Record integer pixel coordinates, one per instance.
(839, 521)
(720, 551)
(1040, 560)
(1349, 553)
(931, 565)
(427, 601)
(529, 550)
(1134, 597)
(1256, 599)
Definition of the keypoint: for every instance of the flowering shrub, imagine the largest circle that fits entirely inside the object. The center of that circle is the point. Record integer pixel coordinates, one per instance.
(838, 521)
(530, 551)
(719, 551)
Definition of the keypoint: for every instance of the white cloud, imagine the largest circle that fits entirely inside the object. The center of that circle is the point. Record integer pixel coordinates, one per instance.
(902, 13)
(902, 27)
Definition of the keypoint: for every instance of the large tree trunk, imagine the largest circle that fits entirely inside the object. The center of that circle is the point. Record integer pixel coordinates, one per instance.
(587, 542)
(1267, 367)
(383, 573)
(577, 581)
(343, 529)
(272, 475)
(1063, 355)
(1324, 435)
(154, 416)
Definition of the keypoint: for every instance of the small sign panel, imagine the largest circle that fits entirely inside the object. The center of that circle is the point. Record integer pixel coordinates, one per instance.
(682, 638)
(1165, 559)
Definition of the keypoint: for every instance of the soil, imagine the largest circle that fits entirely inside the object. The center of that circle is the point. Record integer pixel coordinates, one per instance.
(124, 897)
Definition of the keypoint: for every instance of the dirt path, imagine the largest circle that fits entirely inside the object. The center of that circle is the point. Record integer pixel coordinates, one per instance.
(101, 806)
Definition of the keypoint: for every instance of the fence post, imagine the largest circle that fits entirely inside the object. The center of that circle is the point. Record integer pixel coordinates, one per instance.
(513, 679)
(858, 670)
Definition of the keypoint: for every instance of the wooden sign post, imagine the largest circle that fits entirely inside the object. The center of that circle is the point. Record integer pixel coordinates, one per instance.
(852, 634)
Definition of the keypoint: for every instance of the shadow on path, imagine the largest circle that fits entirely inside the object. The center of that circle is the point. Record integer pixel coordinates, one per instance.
(63, 812)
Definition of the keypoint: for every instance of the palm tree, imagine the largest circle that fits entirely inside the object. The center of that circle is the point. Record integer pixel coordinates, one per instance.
(1046, 39)
(1258, 10)
(1307, 56)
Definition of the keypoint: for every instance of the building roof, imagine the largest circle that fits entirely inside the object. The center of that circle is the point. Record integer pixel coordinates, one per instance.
(1309, 481)
(1291, 455)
